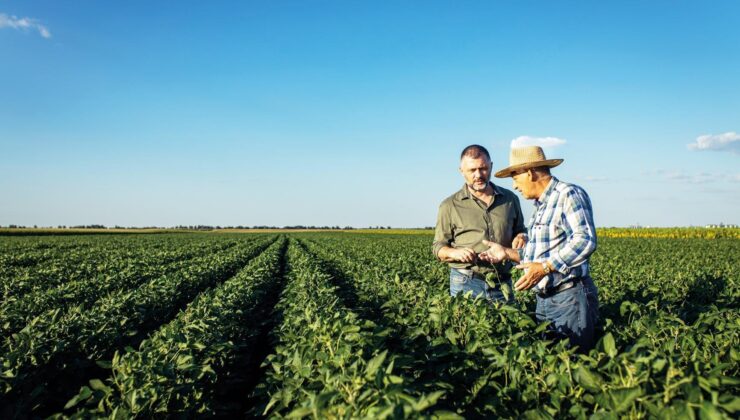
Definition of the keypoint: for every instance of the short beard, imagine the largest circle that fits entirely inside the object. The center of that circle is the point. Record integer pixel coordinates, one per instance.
(472, 187)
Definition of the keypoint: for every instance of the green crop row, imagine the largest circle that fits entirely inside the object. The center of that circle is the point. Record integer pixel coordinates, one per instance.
(467, 349)
(326, 363)
(364, 327)
(83, 262)
(54, 350)
(176, 370)
(15, 313)
(657, 366)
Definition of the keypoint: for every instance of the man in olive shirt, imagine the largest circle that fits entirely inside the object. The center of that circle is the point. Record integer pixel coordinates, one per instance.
(479, 211)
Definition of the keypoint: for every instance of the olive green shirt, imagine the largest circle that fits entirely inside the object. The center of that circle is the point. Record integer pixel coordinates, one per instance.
(464, 221)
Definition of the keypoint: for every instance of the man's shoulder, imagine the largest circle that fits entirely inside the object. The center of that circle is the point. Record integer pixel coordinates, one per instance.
(569, 188)
(505, 192)
(456, 196)
(568, 191)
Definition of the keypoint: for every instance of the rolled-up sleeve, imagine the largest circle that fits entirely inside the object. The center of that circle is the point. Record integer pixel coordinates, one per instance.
(443, 229)
(581, 233)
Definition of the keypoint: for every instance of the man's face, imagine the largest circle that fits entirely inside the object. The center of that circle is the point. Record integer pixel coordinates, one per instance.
(524, 184)
(476, 171)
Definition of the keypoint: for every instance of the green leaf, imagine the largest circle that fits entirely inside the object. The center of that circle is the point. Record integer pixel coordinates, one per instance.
(609, 346)
(542, 327)
(446, 415)
(374, 364)
(396, 380)
(506, 290)
(105, 364)
(300, 412)
(622, 399)
(98, 385)
(591, 381)
(733, 406)
(83, 395)
(659, 364)
(451, 335)
(427, 401)
(709, 412)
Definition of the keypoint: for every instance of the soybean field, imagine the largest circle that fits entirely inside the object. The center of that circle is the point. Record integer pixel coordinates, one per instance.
(352, 325)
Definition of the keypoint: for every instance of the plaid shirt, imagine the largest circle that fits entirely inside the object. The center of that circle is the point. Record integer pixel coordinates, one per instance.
(561, 232)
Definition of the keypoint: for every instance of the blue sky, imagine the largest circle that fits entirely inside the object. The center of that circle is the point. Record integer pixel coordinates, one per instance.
(355, 112)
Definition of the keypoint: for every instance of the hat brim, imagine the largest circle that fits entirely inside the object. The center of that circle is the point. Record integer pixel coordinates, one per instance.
(507, 172)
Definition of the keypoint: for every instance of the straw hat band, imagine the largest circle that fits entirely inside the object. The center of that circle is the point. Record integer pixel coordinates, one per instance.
(523, 158)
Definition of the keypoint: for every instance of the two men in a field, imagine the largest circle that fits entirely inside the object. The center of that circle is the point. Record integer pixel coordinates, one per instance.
(562, 237)
(480, 211)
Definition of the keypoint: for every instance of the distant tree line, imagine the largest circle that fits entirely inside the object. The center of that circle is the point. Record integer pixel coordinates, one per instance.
(202, 227)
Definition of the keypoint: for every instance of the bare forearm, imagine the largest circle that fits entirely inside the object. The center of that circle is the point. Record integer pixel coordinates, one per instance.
(512, 255)
(463, 255)
(444, 254)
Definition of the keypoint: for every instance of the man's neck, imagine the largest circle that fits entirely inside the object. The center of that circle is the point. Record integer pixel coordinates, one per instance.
(542, 184)
(485, 194)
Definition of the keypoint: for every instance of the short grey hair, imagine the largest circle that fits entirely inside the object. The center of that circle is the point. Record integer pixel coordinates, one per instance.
(475, 151)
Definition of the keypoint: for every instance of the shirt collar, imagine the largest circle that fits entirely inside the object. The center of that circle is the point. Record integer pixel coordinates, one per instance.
(548, 191)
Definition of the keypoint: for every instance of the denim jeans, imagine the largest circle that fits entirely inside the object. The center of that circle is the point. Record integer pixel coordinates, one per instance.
(464, 281)
(573, 313)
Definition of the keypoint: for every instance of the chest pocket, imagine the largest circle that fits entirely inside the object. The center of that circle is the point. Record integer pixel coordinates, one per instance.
(502, 220)
(547, 229)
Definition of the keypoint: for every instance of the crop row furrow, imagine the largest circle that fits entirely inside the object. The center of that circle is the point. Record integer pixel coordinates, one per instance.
(16, 313)
(177, 369)
(447, 345)
(327, 363)
(660, 366)
(55, 351)
(85, 263)
(24, 254)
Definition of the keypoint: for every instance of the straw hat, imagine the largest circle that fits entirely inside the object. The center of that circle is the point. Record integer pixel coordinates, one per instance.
(528, 157)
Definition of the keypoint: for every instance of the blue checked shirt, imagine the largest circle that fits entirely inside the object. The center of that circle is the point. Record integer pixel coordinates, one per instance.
(562, 232)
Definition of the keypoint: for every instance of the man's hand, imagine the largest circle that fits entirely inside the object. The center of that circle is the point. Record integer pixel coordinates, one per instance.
(533, 273)
(519, 241)
(465, 255)
(494, 254)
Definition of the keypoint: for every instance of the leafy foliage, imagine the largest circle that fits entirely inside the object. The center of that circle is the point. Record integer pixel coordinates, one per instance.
(177, 368)
(355, 326)
(65, 343)
(327, 363)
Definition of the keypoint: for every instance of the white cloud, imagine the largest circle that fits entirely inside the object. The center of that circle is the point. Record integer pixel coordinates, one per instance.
(729, 141)
(522, 141)
(688, 178)
(696, 178)
(23, 24)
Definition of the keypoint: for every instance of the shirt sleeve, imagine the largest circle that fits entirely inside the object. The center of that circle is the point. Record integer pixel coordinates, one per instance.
(443, 230)
(581, 233)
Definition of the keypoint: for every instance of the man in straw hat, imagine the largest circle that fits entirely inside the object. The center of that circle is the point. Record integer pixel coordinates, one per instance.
(480, 211)
(562, 237)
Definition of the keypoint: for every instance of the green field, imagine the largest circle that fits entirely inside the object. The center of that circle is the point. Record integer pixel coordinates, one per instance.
(339, 325)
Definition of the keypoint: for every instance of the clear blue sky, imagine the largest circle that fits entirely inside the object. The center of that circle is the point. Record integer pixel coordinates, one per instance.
(354, 112)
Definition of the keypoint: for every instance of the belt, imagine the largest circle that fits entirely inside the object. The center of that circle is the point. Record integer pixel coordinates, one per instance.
(561, 288)
(471, 273)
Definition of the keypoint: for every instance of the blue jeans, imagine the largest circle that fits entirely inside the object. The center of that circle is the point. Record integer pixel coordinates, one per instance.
(464, 281)
(573, 313)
